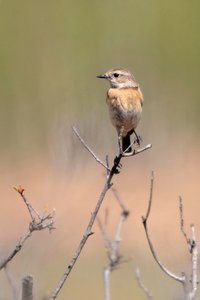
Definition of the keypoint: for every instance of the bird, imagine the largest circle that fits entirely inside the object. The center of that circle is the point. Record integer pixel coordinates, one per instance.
(125, 103)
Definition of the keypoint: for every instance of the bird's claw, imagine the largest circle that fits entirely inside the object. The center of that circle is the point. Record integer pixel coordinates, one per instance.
(138, 140)
(117, 165)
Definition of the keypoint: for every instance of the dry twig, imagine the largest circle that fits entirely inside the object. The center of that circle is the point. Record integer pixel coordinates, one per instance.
(144, 220)
(89, 149)
(88, 231)
(112, 247)
(38, 222)
(121, 204)
(141, 284)
(189, 293)
(182, 222)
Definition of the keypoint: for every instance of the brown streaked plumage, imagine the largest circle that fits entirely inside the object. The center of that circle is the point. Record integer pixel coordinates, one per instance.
(125, 101)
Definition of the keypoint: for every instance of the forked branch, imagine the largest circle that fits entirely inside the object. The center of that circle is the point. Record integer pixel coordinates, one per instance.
(144, 221)
(110, 172)
(112, 246)
(38, 222)
(189, 284)
(190, 293)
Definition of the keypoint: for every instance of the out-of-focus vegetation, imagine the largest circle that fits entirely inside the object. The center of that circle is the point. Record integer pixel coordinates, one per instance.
(51, 51)
(50, 54)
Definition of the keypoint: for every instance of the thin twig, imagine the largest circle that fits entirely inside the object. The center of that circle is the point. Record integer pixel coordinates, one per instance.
(182, 222)
(37, 223)
(124, 214)
(108, 269)
(106, 239)
(114, 257)
(107, 165)
(144, 220)
(193, 250)
(134, 152)
(88, 149)
(118, 198)
(194, 253)
(112, 247)
(121, 220)
(150, 197)
(141, 284)
(87, 233)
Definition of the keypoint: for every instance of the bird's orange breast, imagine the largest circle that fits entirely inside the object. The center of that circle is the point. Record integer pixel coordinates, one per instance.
(125, 106)
(128, 98)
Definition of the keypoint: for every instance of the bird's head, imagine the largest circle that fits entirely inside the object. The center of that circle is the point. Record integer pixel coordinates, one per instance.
(119, 78)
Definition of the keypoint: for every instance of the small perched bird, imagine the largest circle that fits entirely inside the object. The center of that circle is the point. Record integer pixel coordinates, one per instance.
(125, 101)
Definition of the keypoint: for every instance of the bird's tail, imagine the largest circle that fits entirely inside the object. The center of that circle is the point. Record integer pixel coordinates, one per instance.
(126, 142)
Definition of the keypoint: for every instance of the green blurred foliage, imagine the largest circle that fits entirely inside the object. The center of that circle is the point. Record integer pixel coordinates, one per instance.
(51, 51)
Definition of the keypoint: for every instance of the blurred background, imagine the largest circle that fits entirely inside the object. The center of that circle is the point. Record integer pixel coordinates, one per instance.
(50, 54)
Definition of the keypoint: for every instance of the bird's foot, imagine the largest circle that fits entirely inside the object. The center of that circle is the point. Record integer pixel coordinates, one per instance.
(138, 140)
(117, 164)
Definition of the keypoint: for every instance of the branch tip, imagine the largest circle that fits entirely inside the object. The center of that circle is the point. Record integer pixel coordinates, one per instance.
(19, 189)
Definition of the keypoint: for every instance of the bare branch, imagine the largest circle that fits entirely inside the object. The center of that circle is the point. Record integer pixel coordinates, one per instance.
(106, 280)
(112, 247)
(193, 250)
(38, 222)
(118, 198)
(108, 269)
(194, 253)
(114, 258)
(124, 214)
(150, 198)
(123, 154)
(144, 220)
(107, 242)
(88, 231)
(121, 220)
(134, 152)
(107, 165)
(182, 222)
(88, 149)
(141, 284)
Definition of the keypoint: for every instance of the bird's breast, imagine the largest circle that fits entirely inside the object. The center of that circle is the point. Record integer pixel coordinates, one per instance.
(125, 106)
(127, 100)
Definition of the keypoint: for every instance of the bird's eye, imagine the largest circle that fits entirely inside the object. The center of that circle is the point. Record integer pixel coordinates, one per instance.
(116, 75)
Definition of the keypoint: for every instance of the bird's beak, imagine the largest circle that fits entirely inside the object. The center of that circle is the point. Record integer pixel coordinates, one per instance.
(105, 76)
